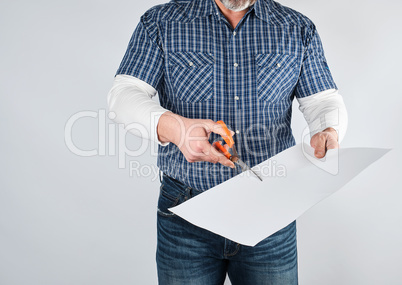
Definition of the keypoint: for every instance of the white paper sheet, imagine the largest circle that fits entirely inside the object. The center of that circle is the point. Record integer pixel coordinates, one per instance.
(246, 210)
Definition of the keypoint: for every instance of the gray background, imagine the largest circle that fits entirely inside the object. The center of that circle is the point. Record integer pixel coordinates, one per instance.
(66, 219)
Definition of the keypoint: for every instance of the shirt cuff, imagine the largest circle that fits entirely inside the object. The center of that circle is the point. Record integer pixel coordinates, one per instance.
(324, 110)
(131, 100)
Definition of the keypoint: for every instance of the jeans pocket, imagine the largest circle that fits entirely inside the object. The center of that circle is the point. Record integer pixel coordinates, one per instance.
(172, 193)
(191, 75)
(276, 76)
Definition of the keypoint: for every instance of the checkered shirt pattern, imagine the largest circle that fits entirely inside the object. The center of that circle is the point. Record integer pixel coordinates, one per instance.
(202, 68)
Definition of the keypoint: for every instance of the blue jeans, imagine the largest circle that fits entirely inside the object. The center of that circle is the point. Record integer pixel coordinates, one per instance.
(189, 255)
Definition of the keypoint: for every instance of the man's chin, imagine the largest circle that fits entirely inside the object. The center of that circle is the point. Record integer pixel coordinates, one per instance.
(237, 5)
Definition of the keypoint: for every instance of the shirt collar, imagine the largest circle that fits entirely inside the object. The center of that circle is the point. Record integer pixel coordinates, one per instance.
(200, 8)
(263, 8)
(204, 8)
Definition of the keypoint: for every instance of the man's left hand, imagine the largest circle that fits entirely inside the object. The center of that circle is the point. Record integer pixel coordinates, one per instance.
(323, 141)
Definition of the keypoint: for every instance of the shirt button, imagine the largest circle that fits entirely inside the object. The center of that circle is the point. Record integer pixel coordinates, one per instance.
(234, 33)
(191, 63)
(278, 65)
(236, 64)
(237, 132)
(237, 98)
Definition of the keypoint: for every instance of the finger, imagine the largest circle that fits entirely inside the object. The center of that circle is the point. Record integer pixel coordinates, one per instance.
(332, 143)
(215, 156)
(318, 142)
(217, 129)
(226, 162)
(224, 145)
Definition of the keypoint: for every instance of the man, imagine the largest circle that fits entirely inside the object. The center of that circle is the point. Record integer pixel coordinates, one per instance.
(242, 62)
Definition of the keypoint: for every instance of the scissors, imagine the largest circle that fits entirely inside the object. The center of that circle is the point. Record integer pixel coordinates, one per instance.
(234, 157)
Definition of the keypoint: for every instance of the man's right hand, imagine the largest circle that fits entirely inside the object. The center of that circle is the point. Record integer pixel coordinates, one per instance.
(191, 136)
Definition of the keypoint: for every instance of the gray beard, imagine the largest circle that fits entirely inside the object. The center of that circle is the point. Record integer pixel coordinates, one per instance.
(237, 5)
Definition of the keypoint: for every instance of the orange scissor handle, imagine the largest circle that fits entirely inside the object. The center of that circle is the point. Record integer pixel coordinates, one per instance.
(228, 139)
(222, 149)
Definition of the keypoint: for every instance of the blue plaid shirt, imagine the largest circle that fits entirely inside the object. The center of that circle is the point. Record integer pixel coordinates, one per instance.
(247, 77)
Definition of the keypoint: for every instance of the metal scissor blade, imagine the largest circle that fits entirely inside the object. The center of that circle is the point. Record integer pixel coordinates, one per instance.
(245, 167)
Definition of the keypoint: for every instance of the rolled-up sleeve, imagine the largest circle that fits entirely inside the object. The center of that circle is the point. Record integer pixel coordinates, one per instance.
(315, 75)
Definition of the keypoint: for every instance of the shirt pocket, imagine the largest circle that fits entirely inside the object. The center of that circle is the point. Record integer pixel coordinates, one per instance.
(276, 76)
(191, 75)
